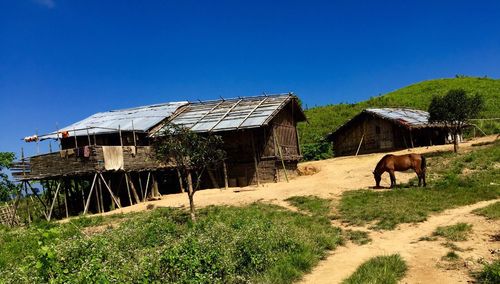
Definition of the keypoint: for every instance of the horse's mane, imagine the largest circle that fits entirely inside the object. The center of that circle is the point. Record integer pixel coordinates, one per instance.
(379, 164)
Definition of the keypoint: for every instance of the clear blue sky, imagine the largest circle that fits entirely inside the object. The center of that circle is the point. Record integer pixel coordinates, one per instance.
(62, 60)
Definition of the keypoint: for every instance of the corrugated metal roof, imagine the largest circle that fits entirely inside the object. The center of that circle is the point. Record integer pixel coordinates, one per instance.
(205, 116)
(231, 114)
(143, 119)
(409, 117)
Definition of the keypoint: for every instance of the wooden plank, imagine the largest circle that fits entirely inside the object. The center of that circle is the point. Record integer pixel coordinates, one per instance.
(110, 191)
(132, 187)
(252, 111)
(226, 114)
(281, 154)
(256, 163)
(54, 201)
(90, 195)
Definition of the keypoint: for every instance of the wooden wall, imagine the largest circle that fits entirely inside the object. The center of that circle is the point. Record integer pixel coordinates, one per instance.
(381, 135)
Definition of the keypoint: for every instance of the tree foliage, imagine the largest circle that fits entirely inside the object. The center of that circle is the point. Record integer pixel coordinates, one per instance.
(454, 110)
(191, 153)
(7, 187)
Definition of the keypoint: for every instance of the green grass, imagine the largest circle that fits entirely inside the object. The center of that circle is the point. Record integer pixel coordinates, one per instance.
(457, 232)
(490, 273)
(357, 237)
(447, 188)
(324, 119)
(451, 256)
(256, 243)
(491, 211)
(312, 204)
(379, 270)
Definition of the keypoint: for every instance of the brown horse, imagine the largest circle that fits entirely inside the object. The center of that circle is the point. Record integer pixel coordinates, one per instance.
(391, 163)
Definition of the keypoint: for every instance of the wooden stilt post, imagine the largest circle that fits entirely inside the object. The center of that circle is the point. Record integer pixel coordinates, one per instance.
(277, 144)
(110, 192)
(27, 201)
(181, 185)
(56, 195)
(140, 185)
(147, 186)
(224, 168)
(132, 187)
(90, 195)
(128, 189)
(66, 198)
(255, 161)
(101, 200)
(39, 199)
(156, 190)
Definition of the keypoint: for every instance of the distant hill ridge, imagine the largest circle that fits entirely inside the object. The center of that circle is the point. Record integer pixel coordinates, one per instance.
(325, 119)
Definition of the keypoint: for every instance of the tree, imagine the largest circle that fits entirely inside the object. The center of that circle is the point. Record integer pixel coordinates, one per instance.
(7, 187)
(454, 111)
(190, 153)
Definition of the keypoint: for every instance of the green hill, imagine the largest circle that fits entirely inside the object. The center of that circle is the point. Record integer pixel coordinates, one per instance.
(325, 119)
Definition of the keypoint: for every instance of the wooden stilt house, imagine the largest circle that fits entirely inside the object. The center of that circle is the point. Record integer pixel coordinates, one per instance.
(385, 129)
(105, 161)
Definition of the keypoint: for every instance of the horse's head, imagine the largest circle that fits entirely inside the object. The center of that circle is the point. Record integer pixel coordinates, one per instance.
(377, 177)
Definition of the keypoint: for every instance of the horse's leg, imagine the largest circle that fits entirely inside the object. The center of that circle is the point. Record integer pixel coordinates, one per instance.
(393, 178)
(423, 178)
(419, 175)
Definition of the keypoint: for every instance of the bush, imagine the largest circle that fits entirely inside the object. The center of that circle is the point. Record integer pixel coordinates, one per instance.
(255, 243)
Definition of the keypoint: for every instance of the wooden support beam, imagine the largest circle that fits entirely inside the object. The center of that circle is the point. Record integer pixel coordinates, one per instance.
(27, 202)
(99, 195)
(225, 114)
(147, 187)
(360, 143)
(206, 114)
(226, 182)
(251, 112)
(66, 198)
(277, 144)
(181, 184)
(56, 195)
(156, 190)
(128, 189)
(110, 192)
(90, 195)
(255, 160)
(132, 187)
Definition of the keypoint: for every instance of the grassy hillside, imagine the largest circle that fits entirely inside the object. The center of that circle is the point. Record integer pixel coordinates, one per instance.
(325, 119)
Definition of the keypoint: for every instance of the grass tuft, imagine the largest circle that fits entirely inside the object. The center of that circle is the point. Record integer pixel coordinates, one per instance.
(491, 211)
(379, 270)
(490, 273)
(451, 256)
(457, 232)
(357, 237)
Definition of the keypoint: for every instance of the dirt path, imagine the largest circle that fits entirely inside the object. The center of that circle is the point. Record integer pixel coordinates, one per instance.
(422, 257)
(336, 176)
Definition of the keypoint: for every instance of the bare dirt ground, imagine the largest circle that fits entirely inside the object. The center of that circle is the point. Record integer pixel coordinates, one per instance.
(334, 177)
(348, 173)
(423, 257)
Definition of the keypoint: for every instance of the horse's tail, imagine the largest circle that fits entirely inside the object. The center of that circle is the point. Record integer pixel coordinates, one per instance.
(423, 165)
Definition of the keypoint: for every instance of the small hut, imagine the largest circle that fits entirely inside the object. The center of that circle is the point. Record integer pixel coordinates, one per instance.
(105, 161)
(385, 129)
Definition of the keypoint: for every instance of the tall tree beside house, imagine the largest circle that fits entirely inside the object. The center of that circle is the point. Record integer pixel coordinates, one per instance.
(7, 187)
(454, 110)
(190, 153)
